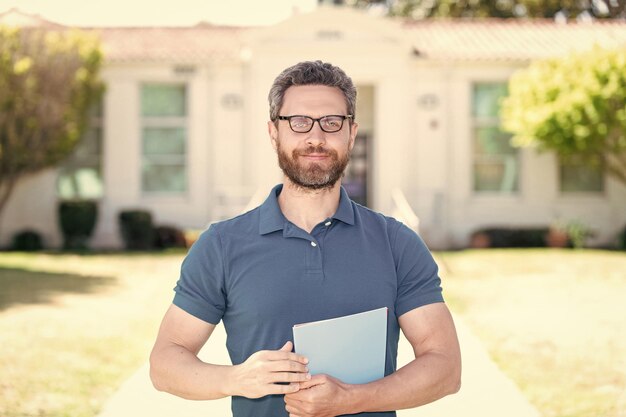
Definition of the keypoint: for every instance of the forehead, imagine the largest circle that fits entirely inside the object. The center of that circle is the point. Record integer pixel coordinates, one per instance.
(313, 100)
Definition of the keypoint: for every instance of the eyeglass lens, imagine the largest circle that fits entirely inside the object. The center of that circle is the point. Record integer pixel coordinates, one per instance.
(328, 124)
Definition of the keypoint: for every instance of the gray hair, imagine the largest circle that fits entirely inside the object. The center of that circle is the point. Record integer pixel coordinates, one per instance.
(311, 73)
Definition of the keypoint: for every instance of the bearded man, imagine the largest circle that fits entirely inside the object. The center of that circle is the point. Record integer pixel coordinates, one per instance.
(307, 253)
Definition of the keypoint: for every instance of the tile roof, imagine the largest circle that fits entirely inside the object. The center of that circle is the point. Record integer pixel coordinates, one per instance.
(459, 40)
(511, 40)
(455, 40)
(203, 42)
(200, 43)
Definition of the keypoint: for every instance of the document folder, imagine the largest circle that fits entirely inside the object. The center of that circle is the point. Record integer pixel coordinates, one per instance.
(350, 348)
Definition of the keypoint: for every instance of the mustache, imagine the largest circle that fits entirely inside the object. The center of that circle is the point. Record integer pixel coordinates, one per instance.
(315, 150)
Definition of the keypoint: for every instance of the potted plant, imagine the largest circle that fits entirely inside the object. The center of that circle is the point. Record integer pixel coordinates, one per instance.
(563, 234)
(557, 236)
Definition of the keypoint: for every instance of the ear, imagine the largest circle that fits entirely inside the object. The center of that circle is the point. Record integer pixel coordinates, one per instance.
(354, 128)
(273, 133)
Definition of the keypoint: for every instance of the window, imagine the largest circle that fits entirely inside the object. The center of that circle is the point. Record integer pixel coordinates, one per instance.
(495, 161)
(574, 176)
(164, 138)
(80, 177)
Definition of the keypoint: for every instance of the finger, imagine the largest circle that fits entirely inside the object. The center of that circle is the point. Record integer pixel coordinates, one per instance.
(312, 382)
(281, 355)
(293, 402)
(291, 410)
(288, 347)
(288, 377)
(291, 388)
(287, 366)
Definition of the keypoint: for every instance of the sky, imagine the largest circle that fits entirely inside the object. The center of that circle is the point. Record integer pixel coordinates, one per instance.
(160, 12)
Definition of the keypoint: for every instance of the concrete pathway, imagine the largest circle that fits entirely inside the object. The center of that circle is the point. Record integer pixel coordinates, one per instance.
(486, 391)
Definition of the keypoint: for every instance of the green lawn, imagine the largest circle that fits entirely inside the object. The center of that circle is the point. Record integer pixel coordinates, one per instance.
(72, 328)
(553, 320)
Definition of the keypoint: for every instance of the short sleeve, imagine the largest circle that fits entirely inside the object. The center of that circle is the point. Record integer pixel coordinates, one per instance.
(418, 274)
(200, 289)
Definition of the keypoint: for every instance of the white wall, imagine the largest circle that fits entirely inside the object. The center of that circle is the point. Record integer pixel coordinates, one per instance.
(450, 210)
(421, 140)
(32, 206)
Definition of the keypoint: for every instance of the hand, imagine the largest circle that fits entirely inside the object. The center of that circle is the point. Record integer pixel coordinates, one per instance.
(259, 374)
(322, 396)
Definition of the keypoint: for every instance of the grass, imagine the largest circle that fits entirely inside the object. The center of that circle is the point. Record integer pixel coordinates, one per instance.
(553, 320)
(72, 327)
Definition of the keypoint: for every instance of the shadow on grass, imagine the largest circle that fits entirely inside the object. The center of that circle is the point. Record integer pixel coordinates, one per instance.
(19, 287)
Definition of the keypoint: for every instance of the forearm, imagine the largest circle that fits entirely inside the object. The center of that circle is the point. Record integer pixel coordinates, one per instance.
(425, 379)
(178, 371)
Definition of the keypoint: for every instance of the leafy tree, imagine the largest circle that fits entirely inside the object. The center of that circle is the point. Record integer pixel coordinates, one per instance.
(48, 81)
(575, 106)
(497, 8)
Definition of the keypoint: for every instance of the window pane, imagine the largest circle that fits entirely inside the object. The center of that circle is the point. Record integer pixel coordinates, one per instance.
(486, 99)
(576, 177)
(497, 174)
(163, 100)
(496, 164)
(164, 141)
(492, 141)
(163, 178)
(80, 183)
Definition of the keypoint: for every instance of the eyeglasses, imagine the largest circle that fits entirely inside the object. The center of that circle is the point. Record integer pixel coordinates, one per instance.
(303, 124)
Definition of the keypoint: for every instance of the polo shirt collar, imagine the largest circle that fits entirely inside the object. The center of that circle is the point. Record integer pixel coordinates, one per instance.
(272, 219)
(345, 211)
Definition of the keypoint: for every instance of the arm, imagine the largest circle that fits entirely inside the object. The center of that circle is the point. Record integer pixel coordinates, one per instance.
(434, 373)
(175, 367)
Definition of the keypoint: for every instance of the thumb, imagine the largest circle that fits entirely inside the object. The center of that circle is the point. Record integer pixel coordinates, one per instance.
(287, 347)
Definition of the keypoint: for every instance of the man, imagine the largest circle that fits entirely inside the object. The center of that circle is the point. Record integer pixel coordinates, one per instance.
(307, 253)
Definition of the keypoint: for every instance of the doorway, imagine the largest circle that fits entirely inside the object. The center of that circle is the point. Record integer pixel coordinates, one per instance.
(356, 180)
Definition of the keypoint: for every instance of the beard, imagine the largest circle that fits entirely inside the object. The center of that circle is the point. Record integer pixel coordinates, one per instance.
(315, 176)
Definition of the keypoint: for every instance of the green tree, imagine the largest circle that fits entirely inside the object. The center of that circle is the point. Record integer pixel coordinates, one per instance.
(48, 82)
(420, 9)
(575, 106)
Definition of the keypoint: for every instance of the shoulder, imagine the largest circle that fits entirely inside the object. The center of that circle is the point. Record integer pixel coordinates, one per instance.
(243, 225)
(369, 218)
(400, 236)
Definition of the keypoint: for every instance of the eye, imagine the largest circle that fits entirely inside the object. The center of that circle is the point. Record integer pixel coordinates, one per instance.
(332, 122)
(300, 122)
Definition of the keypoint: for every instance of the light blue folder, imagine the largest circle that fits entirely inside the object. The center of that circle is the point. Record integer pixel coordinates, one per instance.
(349, 348)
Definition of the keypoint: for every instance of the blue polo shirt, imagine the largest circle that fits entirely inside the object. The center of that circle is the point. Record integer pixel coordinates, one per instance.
(261, 274)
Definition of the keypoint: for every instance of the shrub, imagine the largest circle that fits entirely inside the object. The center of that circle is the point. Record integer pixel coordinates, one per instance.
(27, 241)
(166, 237)
(77, 220)
(137, 229)
(500, 237)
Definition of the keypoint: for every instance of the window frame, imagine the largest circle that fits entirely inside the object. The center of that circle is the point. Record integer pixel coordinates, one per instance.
(493, 121)
(559, 163)
(165, 122)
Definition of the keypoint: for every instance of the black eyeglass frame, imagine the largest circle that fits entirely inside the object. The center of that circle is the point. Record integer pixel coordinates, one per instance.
(318, 120)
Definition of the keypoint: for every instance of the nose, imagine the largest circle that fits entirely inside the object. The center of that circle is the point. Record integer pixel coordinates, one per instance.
(316, 135)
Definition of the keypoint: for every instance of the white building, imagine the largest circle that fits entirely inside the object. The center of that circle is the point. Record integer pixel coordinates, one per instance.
(182, 129)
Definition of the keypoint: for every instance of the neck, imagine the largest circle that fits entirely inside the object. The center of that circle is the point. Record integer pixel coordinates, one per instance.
(306, 208)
